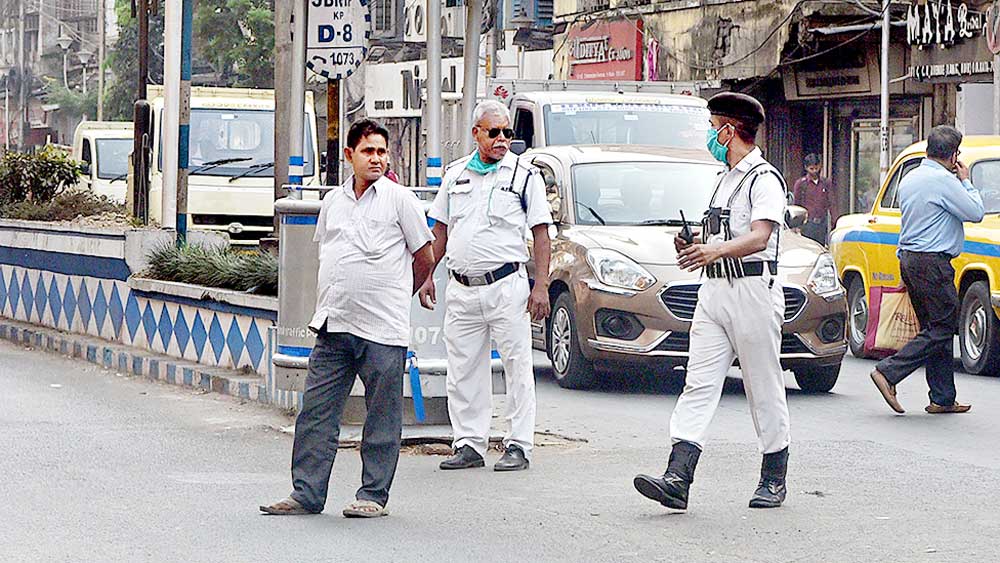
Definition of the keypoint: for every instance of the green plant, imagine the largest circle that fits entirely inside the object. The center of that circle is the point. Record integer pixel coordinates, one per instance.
(222, 267)
(71, 102)
(66, 206)
(37, 177)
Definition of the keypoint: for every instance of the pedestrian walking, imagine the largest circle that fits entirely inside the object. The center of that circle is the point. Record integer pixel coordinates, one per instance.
(815, 193)
(487, 202)
(935, 198)
(374, 251)
(739, 312)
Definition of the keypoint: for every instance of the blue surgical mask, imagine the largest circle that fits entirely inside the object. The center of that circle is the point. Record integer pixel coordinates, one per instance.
(718, 150)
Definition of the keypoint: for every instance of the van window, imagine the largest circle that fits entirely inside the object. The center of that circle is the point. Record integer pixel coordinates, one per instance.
(218, 134)
(112, 158)
(598, 123)
(85, 153)
(524, 127)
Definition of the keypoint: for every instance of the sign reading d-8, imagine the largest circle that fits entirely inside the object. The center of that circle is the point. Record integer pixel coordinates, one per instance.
(337, 38)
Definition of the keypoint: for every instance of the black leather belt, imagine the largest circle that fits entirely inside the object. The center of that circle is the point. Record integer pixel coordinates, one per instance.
(489, 277)
(750, 269)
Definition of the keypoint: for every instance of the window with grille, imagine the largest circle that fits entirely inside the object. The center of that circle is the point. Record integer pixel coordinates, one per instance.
(382, 16)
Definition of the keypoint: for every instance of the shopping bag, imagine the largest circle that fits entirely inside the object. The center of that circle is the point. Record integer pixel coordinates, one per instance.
(892, 322)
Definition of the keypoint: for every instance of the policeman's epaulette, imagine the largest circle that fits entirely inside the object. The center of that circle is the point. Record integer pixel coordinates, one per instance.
(462, 161)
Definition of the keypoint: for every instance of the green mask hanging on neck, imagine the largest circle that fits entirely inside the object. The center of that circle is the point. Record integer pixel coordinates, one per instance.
(477, 165)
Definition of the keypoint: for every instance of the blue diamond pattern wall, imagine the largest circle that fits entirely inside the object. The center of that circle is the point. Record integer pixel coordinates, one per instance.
(109, 309)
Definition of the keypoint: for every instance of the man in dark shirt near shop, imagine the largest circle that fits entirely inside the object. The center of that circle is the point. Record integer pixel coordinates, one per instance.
(816, 195)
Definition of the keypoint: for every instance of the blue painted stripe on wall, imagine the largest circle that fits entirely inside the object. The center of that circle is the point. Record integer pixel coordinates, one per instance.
(216, 306)
(296, 161)
(297, 351)
(299, 219)
(297, 180)
(65, 263)
(432, 181)
(892, 239)
(434, 161)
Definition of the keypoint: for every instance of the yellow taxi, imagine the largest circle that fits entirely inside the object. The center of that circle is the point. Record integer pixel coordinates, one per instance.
(864, 249)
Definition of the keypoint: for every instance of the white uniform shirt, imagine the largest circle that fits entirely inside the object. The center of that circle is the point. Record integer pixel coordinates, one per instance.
(765, 202)
(487, 227)
(366, 251)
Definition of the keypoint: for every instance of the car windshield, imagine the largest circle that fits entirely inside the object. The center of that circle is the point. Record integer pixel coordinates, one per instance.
(986, 177)
(245, 137)
(626, 124)
(636, 193)
(112, 157)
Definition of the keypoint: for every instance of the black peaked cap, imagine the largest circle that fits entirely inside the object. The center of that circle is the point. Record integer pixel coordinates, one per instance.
(737, 106)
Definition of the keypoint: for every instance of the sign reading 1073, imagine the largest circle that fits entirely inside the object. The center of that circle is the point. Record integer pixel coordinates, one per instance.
(337, 38)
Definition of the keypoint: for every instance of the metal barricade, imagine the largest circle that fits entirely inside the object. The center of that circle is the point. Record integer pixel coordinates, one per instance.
(298, 262)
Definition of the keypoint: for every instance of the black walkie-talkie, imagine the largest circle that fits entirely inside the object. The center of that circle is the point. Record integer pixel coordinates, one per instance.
(686, 233)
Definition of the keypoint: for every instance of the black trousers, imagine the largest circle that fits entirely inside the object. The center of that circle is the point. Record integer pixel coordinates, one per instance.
(930, 282)
(334, 363)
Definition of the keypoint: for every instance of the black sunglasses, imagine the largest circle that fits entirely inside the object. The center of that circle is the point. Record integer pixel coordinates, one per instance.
(495, 132)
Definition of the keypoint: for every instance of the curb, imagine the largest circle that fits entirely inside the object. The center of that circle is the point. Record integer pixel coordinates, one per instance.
(136, 362)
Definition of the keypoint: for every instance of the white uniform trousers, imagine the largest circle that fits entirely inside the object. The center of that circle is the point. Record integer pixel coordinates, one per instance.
(743, 320)
(473, 315)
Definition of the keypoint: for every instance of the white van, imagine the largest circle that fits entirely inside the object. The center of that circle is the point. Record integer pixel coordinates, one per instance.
(103, 148)
(231, 160)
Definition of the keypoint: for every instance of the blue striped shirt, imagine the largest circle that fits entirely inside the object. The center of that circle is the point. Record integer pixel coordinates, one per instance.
(934, 203)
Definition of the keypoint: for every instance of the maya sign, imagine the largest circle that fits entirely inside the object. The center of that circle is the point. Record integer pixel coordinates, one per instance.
(606, 50)
(337, 37)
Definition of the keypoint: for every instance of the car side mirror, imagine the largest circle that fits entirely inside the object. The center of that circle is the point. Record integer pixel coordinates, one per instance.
(518, 147)
(85, 168)
(795, 216)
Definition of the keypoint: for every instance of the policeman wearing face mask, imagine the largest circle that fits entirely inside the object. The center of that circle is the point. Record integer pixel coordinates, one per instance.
(740, 309)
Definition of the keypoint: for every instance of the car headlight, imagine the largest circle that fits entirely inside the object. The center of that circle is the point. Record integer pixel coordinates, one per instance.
(823, 280)
(617, 270)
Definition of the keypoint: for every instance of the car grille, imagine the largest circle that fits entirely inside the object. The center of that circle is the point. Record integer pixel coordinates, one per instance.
(681, 301)
(679, 342)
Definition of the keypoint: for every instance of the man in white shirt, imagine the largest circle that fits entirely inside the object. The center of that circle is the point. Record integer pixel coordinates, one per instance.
(374, 251)
(487, 202)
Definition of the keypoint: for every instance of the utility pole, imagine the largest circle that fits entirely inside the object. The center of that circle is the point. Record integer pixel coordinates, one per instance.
(434, 164)
(473, 30)
(884, 106)
(172, 24)
(102, 16)
(282, 105)
(297, 103)
(332, 132)
(996, 92)
(143, 14)
(184, 119)
(22, 79)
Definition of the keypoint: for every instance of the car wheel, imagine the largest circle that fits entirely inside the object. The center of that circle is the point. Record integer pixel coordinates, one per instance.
(817, 379)
(977, 331)
(857, 317)
(571, 369)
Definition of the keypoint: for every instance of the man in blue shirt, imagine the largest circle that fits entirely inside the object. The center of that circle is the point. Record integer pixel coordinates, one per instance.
(934, 199)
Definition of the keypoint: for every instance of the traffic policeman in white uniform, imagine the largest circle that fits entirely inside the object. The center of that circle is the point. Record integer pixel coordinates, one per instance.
(740, 309)
(487, 202)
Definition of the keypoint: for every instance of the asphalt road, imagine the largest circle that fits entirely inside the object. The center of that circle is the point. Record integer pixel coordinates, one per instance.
(99, 467)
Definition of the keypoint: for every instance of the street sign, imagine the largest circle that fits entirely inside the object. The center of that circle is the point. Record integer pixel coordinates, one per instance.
(337, 37)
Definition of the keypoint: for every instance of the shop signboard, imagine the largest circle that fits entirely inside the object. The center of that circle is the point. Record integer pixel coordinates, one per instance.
(949, 40)
(605, 50)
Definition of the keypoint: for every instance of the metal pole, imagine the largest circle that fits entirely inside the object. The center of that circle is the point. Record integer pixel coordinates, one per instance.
(65, 71)
(6, 113)
(102, 16)
(434, 164)
(298, 97)
(184, 121)
(282, 105)
(172, 16)
(23, 78)
(884, 106)
(996, 93)
(143, 9)
(332, 132)
(84, 69)
(473, 26)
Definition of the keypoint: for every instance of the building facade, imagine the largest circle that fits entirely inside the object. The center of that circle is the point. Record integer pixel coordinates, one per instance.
(814, 65)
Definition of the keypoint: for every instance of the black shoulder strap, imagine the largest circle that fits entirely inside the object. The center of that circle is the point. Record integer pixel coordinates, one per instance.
(784, 186)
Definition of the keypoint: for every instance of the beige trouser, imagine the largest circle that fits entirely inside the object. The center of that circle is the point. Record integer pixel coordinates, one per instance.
(743, 320)
(473, 316)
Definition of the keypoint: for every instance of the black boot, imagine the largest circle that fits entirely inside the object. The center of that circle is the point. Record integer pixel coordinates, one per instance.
(671, 490)
(771, 489)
